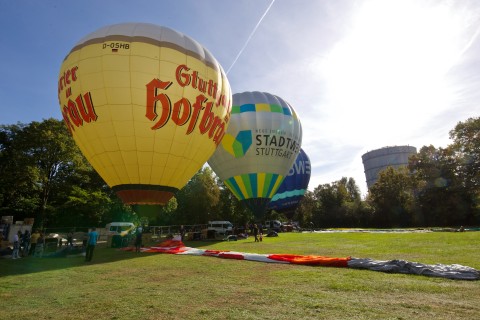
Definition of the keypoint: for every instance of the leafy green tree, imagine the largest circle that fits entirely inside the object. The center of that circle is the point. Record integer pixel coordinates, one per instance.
(39, 152)
(119, 212)
(337, 203)
(155, 215)
(197, 200)
(229, 208)
(466, 145)
(18, 190)
(51, 150)
(306, 208)
(45, 176)
(352, 189)
(392, 199)
(440, 196)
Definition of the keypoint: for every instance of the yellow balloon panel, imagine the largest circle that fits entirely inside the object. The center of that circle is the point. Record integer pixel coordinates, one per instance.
(145, 111)
(173, 56)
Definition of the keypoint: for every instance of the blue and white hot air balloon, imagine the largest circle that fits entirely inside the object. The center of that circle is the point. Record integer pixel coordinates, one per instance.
(260, 146)
(293, 187)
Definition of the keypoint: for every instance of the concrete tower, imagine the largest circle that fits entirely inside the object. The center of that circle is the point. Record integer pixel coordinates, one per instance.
(378, 160)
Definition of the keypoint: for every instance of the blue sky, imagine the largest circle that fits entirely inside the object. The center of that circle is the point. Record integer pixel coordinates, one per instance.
(362, 74)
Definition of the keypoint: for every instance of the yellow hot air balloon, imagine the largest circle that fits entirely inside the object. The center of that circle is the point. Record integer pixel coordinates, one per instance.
(146, 105)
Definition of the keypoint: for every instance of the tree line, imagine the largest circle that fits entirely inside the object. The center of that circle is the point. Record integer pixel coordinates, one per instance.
(43, 175)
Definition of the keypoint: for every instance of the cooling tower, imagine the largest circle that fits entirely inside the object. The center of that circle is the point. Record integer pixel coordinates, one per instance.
(378, 160)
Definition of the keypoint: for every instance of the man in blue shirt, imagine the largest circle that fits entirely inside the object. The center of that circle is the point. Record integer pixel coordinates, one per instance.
(91, 243)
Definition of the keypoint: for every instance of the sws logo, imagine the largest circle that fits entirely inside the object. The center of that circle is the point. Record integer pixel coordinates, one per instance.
(239, 145)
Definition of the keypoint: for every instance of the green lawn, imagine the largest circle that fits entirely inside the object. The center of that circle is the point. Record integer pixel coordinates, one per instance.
(126, 285)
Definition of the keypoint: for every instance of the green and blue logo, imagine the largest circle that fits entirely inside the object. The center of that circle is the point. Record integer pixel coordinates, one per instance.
(238, 146)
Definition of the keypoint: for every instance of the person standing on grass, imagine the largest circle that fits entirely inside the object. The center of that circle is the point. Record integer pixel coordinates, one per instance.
(138, 239)
(26, 242)
(39, 246)
(91, 243)
(70, 238)
(33, 241)
(255, 232)
(182, 232)
(16, 245)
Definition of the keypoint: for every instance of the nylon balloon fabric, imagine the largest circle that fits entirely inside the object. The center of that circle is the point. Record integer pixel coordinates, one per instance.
(262, 141)
(293, 188)
(455, 271)
(146, 105)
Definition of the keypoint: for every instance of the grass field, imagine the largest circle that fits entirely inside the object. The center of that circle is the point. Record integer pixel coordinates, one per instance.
(125, 285)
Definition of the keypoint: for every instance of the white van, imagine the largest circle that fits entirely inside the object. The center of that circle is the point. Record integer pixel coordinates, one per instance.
(274, 225)
(221, 227)
(119, 228)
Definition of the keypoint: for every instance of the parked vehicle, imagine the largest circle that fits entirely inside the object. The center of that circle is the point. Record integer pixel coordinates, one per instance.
(274, 225)
(120, 228)
(220, 227)
(290, 226)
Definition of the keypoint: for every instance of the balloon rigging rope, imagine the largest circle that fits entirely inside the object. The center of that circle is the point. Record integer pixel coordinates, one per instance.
(250, 37)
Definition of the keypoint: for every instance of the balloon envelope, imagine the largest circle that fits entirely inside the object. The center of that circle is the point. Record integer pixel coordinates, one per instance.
(293, 187)
(262, 142)
(146, 105)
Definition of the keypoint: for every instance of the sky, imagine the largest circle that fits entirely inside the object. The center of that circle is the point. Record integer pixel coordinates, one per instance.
(361, 74)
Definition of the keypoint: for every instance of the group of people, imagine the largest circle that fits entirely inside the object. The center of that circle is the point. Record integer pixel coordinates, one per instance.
(27, 244)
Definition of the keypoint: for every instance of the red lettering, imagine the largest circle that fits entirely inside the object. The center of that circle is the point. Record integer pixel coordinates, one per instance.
(195, 79)
(220, 100)
(197, 107)
(153, 98)
(70, 127)
(60, 84)
(88, 113)
(207, 118)
(212, 88)
(209, 87)
(202, 86)
(78, 111)
(67, 78)
(216, 124)
(183, 79)
(183, 110)
(181, 106)
(220, 132)
(74, 73)
(73, 113)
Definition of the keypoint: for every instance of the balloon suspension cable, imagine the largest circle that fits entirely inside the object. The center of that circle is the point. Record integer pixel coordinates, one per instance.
(250, 37)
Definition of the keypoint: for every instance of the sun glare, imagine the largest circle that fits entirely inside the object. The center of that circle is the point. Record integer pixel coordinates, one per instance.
(393, 63)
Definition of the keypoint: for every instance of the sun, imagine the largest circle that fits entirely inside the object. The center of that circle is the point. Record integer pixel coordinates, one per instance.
(393, 63)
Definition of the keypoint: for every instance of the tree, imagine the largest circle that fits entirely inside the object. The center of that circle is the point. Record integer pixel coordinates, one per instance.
(305, 210)
(391, 198)
(45, 176)
(439, 193)
(229, 208)
(37, 153)
(156, 215)
(337, 203)
(197, 200)
(466, 145)
(18, 195)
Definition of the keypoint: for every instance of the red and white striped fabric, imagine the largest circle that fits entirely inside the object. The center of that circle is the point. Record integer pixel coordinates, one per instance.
(454, 271)
(177, 247)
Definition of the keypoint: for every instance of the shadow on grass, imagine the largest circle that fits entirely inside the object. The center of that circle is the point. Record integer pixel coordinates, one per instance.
(30, 264)
(102, 255)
